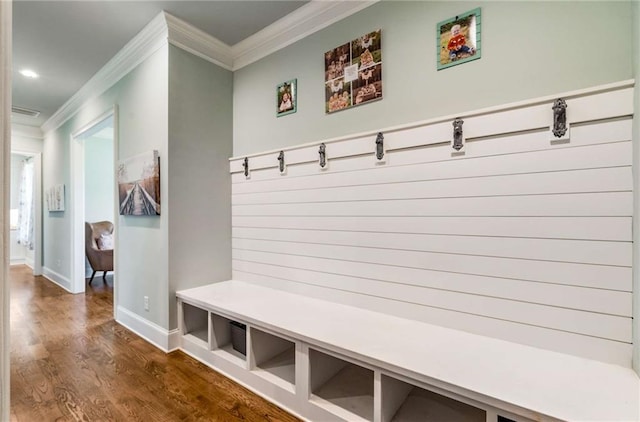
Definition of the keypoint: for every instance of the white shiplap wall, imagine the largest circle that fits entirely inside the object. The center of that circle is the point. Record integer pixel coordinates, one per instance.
(519, 237)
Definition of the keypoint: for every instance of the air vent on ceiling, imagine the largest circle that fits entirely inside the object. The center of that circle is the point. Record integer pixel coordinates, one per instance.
(25, 111)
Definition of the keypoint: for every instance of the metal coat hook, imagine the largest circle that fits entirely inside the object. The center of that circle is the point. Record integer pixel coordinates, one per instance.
(559, 118)
(245, 164)
(380, 146)
(457, 134)
(323, 155)
(281, 160)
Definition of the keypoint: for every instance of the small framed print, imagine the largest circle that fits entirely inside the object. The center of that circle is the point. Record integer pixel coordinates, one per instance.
(55, 198)
(286, 98)
(458, 39)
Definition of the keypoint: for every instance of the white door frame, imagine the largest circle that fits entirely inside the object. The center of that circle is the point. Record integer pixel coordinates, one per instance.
(37, 224)
(77, 205)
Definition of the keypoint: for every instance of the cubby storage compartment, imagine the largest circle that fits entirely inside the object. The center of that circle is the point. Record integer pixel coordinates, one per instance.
(341, 387)
(221, 339)
(195, 324)
(274, 358)
(403, 402)
(239, 337)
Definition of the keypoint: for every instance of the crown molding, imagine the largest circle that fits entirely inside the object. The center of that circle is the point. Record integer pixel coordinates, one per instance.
(300, 23)
(26, 131)
(198, 42)
(144, 44)
(165, 28)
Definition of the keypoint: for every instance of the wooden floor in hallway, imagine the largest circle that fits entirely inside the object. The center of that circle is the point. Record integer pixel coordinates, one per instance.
(70, 361)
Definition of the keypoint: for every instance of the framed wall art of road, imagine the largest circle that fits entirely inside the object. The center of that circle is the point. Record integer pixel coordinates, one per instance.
(139, 184)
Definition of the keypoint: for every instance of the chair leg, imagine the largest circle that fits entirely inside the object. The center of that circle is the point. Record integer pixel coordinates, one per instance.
(92, 275)
(104, 276)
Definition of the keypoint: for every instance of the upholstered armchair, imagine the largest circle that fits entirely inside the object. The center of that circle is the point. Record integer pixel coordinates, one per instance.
(99, 247)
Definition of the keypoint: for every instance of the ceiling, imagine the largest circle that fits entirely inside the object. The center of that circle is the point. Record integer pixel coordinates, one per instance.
(67, 42)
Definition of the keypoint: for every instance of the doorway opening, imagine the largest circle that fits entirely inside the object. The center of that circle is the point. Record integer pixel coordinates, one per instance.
(25, 204)
(93, 198)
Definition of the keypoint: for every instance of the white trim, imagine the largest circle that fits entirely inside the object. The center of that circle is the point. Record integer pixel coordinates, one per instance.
(116, 216)
(57, 278)
(174, 340)
(629, 83)
(142, 46)
(77, 201)
(92, 123)
(26, 131)
(38, 245)
(30, 263)
(163, 339)
(199, 43)
(17, 261)
(76, 209)
(300, 23)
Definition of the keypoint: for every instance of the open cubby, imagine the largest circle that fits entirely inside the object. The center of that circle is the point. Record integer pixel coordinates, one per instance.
(274, 358)
(341, 387)
(403, 402)
(195, 322)
(221, 340)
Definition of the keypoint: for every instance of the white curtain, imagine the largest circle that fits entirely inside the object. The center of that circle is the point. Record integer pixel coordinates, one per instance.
(26, 210)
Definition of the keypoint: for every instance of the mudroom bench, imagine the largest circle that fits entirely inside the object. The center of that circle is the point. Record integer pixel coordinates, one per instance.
(328, 361)
(473, 267)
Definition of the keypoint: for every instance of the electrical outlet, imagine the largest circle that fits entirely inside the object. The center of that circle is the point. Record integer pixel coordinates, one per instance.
(146, 303)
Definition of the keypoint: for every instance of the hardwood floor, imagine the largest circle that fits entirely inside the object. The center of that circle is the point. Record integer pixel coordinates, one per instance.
(70, 361)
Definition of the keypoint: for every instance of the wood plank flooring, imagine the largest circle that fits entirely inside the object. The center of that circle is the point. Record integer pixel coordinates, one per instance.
(70, 361)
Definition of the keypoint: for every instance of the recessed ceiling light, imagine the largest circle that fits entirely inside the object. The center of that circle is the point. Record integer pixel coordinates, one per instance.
(28, 73)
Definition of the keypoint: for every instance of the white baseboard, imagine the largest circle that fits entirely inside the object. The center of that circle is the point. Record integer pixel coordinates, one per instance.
(162, 338)
(174, 340)
(17, 261)
(57, 278)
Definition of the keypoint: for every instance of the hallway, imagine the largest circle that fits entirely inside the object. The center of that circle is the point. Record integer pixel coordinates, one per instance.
(70, 361)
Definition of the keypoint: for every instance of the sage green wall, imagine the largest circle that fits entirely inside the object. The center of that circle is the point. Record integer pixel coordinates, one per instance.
(529, 49)
(56, 226)
(99, 179)
(141, 251)
(200, 144)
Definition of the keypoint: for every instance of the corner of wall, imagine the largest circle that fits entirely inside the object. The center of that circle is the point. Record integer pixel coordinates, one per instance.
(200, 144)
(163, 339)
(635, 17)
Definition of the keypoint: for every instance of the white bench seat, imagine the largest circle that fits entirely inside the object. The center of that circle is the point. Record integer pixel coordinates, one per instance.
(527, 381)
